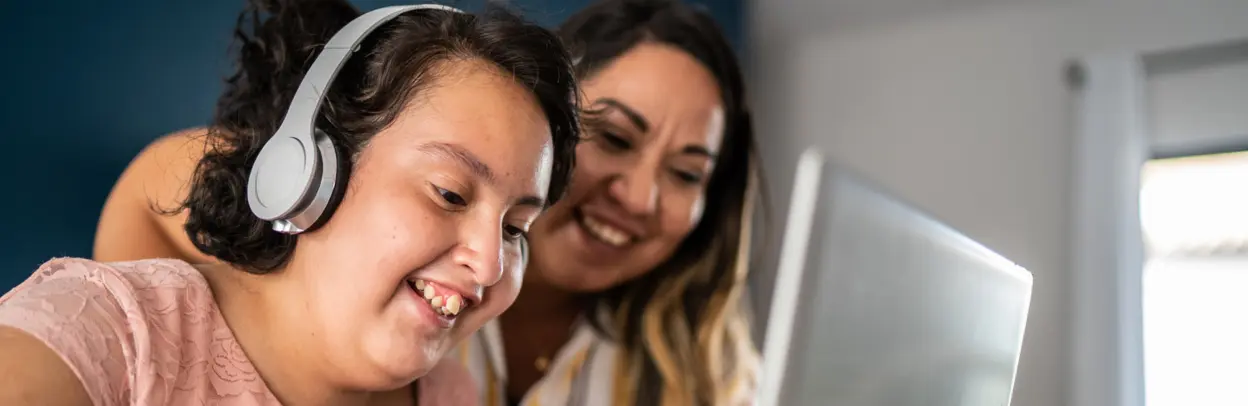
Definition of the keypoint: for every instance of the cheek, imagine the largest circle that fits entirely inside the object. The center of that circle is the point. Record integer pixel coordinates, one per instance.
(682, 214)
(588, 174)
(500, 296)
(513, 277)
(591, 167)
(388, 229)
(699, 207)
(381, 236)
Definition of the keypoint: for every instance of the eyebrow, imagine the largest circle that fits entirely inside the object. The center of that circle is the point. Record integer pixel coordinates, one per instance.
(531, 201)
(636, 118)
(698, 150)
(461, 155)
(478, 168)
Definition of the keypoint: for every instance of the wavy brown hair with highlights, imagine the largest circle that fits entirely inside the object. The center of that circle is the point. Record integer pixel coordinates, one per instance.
(683, 326)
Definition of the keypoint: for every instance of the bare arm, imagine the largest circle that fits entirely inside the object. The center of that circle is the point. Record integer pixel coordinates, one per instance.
(133, 224)
(32, 374)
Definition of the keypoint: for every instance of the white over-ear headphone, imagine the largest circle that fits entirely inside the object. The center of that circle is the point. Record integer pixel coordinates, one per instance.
(296, 173)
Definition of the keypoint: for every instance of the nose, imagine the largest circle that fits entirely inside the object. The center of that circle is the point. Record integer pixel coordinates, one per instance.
(480, 251)
(636, 189)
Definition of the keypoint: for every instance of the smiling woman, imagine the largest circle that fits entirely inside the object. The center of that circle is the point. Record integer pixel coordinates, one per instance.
(633, 293)
(453, 131)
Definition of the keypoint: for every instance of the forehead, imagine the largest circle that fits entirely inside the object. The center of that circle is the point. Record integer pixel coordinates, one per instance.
(472, 104)
(668, 87)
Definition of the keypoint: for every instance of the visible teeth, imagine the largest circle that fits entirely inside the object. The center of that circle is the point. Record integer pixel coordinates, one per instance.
(448, 305)
(452, 304)
(606, 233)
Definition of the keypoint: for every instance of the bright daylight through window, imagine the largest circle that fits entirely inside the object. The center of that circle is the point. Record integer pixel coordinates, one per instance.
(1194, 213)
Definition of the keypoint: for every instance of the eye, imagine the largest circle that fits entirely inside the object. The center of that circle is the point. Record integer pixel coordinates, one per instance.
(687, 177)
(451, 197)
(514, 233)
(615, 141)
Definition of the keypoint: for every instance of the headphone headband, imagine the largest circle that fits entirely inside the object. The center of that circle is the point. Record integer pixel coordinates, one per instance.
(301, 116)
(294, 177)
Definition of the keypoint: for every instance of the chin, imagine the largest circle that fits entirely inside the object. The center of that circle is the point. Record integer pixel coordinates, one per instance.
(398, 367)
(585, 287)
(596, 281)
(401, 375)
(579, 276)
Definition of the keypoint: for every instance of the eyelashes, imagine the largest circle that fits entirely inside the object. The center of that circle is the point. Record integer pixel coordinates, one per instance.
(688, 177)
(510, 232)
(615, 143)
(515, 233)
(451, 197)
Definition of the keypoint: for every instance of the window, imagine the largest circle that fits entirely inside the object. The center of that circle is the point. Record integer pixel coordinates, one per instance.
(1194, 213)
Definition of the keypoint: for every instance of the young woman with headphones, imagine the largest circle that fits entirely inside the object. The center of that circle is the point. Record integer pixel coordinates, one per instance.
(365, 190)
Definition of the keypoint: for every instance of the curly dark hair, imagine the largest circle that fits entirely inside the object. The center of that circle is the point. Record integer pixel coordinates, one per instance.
(395, 62)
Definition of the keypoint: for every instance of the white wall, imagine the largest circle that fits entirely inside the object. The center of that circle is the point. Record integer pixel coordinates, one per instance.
(961, 107)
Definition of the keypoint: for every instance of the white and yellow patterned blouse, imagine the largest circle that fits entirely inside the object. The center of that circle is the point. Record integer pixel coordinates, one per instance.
(582, 372)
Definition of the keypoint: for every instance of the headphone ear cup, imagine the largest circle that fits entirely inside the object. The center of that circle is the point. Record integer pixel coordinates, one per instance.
(340, 182)
(276, 180)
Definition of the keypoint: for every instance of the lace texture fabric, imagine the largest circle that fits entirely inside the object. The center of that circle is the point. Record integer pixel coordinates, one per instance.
(150, 333)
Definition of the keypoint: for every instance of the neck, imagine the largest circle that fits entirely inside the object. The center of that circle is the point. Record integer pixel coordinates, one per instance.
(271, 328)
(533, 329)
(539, 301)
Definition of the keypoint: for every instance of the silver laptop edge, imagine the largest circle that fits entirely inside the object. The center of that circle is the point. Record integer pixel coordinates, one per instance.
(791, 274)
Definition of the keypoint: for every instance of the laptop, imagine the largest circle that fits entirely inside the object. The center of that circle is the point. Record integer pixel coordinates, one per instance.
(878, 304)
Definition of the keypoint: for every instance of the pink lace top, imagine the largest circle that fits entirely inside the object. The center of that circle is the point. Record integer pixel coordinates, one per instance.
(149, 333)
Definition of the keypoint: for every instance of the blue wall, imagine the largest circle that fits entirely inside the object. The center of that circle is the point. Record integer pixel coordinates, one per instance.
(86, 84)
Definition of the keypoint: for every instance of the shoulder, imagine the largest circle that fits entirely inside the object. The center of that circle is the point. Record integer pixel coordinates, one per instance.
(154, 183)
(113, 324)
(177, 150)
(147, 291)
(164, 168)
(124, 281)
(124, 298)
